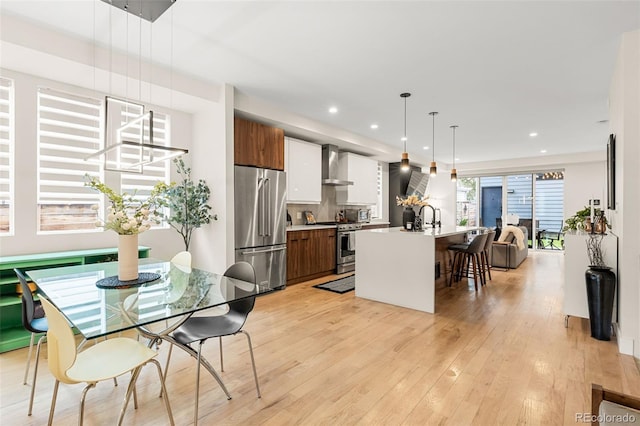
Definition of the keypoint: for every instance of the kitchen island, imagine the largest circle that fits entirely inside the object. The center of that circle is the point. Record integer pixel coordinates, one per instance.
(399, 267)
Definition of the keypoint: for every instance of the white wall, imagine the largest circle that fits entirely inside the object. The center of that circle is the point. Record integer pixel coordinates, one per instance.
(624, 113)
(582, 182)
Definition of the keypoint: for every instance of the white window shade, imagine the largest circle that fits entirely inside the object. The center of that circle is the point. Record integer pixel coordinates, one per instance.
(6, 155)
(69, 129)
(142, 184)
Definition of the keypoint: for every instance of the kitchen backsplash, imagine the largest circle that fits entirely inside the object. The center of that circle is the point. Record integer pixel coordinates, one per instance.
(323, 212)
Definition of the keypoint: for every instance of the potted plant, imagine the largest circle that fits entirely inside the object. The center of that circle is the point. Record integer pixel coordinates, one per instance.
(579, 222)
(188, 202)
(601, 288)
(128, 216)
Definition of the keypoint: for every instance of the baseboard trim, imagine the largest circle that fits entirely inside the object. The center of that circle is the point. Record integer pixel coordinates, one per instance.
(625, 344)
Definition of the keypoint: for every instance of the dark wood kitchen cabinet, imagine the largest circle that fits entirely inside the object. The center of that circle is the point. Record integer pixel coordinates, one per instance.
(258, 145)
(310, 254)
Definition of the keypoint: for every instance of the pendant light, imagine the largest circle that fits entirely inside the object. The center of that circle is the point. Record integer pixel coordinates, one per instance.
(404, 162)
(454, 172)
(145, 153)
(433, 169)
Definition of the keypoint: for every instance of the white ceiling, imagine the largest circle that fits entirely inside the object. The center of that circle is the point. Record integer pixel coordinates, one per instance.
(498, 69)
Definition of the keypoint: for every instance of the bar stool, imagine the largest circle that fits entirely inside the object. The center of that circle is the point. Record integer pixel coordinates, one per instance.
(485, 255)
(468, 253)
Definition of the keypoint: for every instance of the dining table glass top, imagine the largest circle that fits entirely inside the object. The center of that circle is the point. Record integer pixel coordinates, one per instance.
(97, 312)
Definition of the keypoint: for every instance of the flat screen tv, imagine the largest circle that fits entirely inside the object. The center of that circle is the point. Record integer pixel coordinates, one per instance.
(417, 184)
(611, 172)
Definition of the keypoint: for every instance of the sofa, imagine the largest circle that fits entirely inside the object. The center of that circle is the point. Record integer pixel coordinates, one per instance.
(515, 255)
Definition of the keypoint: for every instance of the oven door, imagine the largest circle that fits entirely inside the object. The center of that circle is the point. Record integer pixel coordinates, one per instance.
(346, 247)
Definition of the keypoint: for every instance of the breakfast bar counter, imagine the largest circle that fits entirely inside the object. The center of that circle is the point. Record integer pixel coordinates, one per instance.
(399, 267)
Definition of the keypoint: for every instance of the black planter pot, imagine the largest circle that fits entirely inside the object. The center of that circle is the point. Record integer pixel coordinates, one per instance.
(601, 288)
(408, 216)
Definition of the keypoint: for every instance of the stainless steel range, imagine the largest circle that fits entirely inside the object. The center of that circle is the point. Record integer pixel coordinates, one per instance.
(346, 250)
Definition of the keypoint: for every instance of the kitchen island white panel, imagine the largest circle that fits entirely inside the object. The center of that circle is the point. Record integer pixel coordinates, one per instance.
(398, 267)
(393, 267)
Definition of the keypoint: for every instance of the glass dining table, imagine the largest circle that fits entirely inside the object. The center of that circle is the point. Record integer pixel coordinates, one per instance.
(154, 309)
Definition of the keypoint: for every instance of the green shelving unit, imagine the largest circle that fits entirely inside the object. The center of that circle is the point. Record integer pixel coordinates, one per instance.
(12, 334)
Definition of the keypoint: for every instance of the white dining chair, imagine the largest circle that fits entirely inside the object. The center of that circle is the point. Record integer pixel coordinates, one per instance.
(103, 361)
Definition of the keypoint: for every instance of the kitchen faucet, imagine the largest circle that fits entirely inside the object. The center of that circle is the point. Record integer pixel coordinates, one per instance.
(433, 217)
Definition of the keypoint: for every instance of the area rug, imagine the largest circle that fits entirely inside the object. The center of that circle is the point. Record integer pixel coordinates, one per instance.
(341, 285)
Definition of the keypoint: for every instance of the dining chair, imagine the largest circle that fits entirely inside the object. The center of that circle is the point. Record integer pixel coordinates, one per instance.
(182, 258)
(33, 320)
(200, 329)
(102, 361)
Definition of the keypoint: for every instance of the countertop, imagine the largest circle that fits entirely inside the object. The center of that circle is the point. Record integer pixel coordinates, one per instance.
(445, 231)
(308, 227)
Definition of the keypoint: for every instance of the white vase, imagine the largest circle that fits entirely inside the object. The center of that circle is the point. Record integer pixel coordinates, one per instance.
(128, 257)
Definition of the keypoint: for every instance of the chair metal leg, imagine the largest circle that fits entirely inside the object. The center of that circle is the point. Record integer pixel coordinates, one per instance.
(35, 374)
(164, 390)
(166, 366)
(194, 354)
(84, 395)
(195, 410)
(221, 361)
(132, 385)
(26, 371)
(53, 403)
(253, 362)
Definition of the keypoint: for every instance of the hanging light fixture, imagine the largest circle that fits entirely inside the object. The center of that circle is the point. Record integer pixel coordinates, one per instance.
(433, 169)
(454, 172)
(404, 162)
(124, 154)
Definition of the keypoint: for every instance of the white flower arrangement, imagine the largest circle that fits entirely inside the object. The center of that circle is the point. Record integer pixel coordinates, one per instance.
(412, 201)
(126, 214)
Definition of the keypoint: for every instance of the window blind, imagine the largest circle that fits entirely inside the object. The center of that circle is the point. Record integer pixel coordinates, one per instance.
(6, 155)
(142, 184)
(69, 129)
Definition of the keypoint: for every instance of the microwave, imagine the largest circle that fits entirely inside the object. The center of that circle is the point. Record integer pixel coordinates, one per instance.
(358, 215)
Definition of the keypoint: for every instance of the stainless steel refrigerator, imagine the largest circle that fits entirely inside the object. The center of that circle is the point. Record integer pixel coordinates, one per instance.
(260, 223)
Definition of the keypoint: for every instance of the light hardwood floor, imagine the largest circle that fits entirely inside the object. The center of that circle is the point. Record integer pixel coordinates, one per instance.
(498, 356)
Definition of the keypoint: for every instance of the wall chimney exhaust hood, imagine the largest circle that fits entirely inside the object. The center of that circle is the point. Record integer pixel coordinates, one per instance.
(330, 167)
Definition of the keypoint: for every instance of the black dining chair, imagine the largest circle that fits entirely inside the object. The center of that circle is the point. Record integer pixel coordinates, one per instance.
(200, 329)
(33, 320)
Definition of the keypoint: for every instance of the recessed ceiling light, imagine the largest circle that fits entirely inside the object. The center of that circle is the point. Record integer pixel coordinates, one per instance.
(425, 147)
(457, 159)
(333, 110)
(543, 151)
(374, 126)
(533, 134)
(403, 139)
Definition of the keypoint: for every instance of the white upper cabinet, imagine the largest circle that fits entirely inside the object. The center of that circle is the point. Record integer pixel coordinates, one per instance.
(303, 164)
(363, 172)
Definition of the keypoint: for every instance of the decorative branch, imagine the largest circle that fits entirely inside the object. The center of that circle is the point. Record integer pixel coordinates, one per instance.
(594, 250)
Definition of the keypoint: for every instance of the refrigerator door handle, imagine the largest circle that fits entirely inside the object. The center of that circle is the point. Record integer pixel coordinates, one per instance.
(267, 207)
(270, 250)
(261, 207)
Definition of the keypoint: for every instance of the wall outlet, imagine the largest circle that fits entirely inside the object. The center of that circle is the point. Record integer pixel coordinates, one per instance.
(299, 215)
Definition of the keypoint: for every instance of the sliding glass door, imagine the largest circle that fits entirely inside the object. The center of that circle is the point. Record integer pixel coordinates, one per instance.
(534, 201)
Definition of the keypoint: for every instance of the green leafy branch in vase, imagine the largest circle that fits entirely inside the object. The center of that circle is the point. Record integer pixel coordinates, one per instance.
(188, 202)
